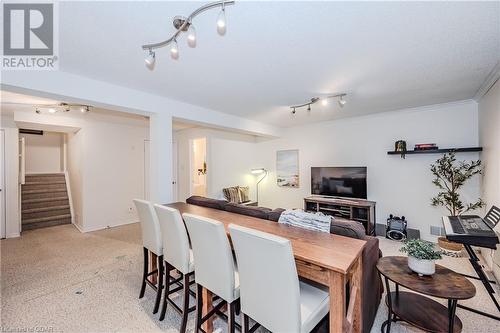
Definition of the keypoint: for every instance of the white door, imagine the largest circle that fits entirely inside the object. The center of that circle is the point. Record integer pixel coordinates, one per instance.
(2, 184)
(174, 172)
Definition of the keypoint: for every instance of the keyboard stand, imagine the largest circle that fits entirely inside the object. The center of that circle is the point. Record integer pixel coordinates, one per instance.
(474, 260)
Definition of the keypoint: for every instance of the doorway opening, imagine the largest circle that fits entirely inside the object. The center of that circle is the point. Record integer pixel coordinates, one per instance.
(45, 199)
(198, 167)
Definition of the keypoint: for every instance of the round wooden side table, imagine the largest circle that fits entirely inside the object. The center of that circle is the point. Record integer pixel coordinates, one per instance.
(416, 309)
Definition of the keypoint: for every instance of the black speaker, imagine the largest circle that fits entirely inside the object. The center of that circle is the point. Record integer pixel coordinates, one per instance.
(396, 228)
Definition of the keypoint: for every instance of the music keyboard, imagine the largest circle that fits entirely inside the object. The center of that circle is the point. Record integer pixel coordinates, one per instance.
(470, 230)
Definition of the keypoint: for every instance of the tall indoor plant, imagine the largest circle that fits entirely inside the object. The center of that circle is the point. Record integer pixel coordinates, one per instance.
(450, 176)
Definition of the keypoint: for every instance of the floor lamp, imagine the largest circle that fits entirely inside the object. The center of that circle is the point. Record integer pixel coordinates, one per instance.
(258, 172)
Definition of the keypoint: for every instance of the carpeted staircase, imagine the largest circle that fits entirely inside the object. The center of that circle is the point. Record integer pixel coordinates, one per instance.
(44, 201)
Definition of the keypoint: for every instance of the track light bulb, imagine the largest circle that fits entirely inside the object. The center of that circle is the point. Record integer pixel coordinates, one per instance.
(308, 107)
(191, 37)
(342, 101)
(37, 110)
(324, 102)
(174, 50)
(84, 109)
(221, 22)
(150, 59)
(52, 110)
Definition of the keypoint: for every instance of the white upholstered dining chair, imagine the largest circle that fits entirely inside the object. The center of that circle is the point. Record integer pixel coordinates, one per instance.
(151, 241)
(215, 269)
(271, 293)
(177, 254)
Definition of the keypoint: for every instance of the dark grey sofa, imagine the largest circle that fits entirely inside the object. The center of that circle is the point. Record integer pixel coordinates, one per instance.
(254, 211)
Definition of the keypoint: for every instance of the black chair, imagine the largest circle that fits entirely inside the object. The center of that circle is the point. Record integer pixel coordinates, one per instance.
(493, 216)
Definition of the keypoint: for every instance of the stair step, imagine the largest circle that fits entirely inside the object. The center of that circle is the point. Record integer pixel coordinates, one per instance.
(37, 225)
(44, 191)
(44, 213)
(51, 178)
(43, 195)
(47, 187)
(37, 200)
(46, 219)
(45, 182)
(44, 174)
(51, 203)
(44, 209)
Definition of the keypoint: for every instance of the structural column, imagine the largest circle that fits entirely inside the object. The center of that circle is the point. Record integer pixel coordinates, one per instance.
(160, 135)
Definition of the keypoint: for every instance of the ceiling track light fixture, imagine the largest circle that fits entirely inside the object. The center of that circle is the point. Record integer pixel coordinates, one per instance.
(324, 101)
(185, 24)
(64, 107)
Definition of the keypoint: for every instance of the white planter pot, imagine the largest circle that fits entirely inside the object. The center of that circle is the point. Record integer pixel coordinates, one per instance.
(422, 267)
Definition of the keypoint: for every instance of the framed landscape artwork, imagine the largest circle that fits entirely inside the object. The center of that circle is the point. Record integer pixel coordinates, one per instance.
(287, 168)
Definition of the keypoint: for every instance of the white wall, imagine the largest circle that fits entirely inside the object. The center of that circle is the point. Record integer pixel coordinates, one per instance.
(105, 164)
(399, 186)
(11, 189)
(230, 157)
(44, 153)
(489, 138)
(113, 175)
(75, 173)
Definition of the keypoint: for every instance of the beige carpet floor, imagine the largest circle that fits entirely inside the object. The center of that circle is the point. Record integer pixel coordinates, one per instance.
(60, 280)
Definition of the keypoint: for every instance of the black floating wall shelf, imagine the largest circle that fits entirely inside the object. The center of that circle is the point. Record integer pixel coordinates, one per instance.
(438, 151)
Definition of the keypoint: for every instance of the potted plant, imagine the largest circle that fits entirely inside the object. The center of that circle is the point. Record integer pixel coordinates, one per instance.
(449, 177)
(421, 256)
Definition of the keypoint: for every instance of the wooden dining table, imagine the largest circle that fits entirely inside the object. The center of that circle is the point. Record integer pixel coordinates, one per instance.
(328, 259)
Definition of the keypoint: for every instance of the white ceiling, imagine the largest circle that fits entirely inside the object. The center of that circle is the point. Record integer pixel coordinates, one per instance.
(385, 55)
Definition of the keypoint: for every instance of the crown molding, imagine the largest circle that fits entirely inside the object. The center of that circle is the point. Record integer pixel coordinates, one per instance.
(490, 80)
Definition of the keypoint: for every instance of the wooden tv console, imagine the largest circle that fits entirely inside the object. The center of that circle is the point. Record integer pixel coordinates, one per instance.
(353, 209)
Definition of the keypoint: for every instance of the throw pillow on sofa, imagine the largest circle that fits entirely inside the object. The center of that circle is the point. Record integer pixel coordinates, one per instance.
(348, 228)
(232, 194)
(244, 193)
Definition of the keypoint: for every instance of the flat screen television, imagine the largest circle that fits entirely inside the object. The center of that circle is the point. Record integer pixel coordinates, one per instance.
(347, 182)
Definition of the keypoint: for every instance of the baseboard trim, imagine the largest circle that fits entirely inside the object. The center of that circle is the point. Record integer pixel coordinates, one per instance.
(78, 227)
(97, 228)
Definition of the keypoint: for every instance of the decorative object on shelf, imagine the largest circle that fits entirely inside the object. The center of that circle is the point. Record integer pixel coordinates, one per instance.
(185, 24)
(396, 228)
(450, 176)
(426, 146)
(421, 256)
(259, 171)
(203, 171)
(438, 151)
(324, 101)
(287, 168)
(400, 146)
